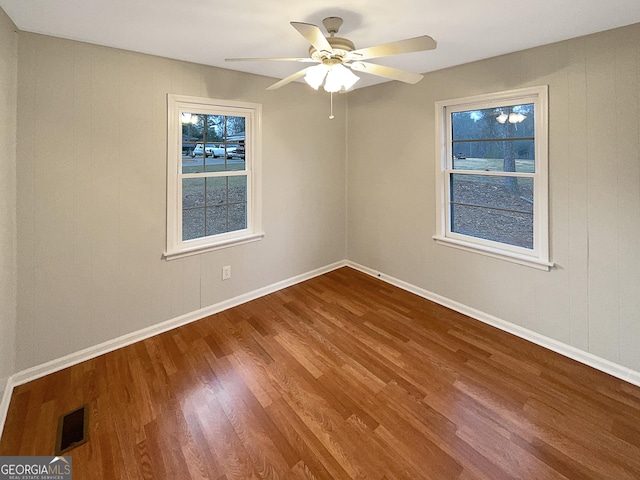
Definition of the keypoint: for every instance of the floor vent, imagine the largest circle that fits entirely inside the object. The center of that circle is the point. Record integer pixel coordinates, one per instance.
(73, 430)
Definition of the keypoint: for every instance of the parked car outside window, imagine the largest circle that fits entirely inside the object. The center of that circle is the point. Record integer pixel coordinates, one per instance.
(239, 152)
(210, 150)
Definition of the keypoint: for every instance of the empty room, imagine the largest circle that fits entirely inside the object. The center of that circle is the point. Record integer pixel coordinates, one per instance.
(311, 240)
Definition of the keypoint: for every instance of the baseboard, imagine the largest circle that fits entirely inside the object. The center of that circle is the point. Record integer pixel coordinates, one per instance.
(581, 356)
(53, 366)
(75, 358)
(39, 371)
(6, 399)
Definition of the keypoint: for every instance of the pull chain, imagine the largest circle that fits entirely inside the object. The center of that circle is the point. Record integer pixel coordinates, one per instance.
(331, 116)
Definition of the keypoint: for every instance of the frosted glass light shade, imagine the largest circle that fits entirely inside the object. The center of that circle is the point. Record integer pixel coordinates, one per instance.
(335, 78)
(339, 78)
(315, 75)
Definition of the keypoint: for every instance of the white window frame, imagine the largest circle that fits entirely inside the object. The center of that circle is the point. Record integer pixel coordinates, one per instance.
(176, 105)
(538, 256)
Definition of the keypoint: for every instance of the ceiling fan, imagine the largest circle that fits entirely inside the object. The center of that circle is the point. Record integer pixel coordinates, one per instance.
(336, 57)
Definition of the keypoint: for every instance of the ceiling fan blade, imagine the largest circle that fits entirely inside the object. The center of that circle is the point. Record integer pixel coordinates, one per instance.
(283, 59)
(387, 72)
(313, 35)
(416, 44)
(288, 79)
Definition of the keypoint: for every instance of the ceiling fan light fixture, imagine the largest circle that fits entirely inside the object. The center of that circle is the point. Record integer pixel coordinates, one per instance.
(315, 75)
(336, 78)
(340, 78)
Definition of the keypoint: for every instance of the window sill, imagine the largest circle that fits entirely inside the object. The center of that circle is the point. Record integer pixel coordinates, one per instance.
(495, 253)
(186, 252)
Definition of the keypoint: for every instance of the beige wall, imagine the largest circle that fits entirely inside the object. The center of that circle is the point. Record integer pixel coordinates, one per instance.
(91, 196)
(591, 300)
(8, 273)
(91, 206)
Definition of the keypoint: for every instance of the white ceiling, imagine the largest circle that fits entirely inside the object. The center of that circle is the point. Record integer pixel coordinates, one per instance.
(208, 31)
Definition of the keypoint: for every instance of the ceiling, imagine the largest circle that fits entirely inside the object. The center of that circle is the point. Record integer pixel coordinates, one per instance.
(208, 31)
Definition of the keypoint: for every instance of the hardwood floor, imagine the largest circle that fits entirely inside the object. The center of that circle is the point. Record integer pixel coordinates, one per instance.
(342, 376)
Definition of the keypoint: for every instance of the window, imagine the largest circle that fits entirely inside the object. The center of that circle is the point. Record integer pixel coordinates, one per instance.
(213, 176)
(491, 177)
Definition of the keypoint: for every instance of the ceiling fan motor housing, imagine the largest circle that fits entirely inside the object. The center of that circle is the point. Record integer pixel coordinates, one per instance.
(341, 47)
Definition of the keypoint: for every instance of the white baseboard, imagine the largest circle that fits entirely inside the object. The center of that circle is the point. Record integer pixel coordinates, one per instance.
(581, 356)
(58, 364)
(38, 371)
(7, 390)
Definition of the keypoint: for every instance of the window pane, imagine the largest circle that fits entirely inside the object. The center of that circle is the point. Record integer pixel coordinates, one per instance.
(497, 208)
(237, 216)
(216, 191)
(240, 150)
(234, 129)
(193, 192)
(225, 163)
(217, 220)
(508, 193)
(226, 218)
(515, 121)
(192, 223)
(191, 131)
(193, 201)
(192, 158)
(497, 225)
(192, 164)
(226, 190)
(495, 156)
(238, 189)
(232, 155)
(215, 128)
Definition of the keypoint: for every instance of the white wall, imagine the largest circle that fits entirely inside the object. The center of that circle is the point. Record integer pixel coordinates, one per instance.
(91, 194)
(591, 300)
(8, 272)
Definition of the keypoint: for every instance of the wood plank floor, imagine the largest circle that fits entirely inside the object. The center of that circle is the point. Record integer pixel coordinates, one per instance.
(342, 376)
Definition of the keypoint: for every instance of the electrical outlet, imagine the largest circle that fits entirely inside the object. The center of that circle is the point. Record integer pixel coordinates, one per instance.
(226, 272)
